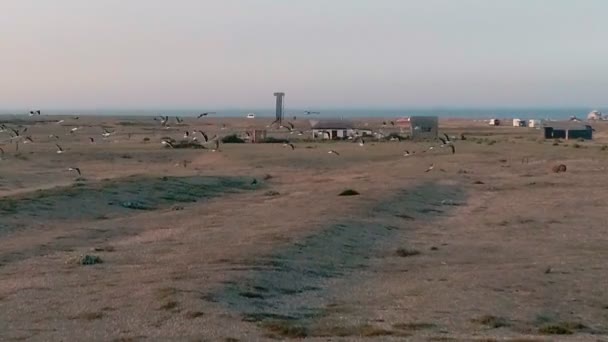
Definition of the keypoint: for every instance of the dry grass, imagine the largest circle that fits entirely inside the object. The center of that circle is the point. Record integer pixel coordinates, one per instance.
(88, 316)
(492, 321)
(194, 314)
(362, 330)
(406, 252)
(284, 329)
(562, 328)
(414, 326)
(170, 305)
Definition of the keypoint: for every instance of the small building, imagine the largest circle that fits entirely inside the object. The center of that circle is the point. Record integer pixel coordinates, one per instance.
(332, 129)
(567, 130)
(494, 122)
(257, 135)
(403, 122)
(424, 127)
(364, 132)
(533, 123)
(519, 123)
(594, 115)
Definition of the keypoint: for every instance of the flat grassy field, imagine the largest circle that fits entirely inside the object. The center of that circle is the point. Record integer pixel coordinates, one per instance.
(253, 242)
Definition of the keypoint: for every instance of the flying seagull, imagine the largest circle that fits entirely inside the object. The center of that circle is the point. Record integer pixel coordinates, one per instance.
(406, 153)
(274, 122)
(432, 166)
(333, 152)
(28, 139)
(60, 121)
(362, 142)
(204, 135)
(75, 169)
(254, 182)
(204, 114)
(59, 149)
(73, 130)
(177, 118)
(290, 145)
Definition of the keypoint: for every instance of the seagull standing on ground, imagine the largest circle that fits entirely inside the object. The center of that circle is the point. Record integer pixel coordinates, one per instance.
(290, 145)
(75, 169)
(432, 166)
(106, 133)
(217, 146)
(333, 152)
(92, 140)
(59, 149)
(167, 143)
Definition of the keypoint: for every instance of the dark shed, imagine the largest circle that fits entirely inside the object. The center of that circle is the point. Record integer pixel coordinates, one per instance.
(424, 127)
(567, 130)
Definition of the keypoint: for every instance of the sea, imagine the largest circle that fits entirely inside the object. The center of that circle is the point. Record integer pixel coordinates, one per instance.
(465, 113)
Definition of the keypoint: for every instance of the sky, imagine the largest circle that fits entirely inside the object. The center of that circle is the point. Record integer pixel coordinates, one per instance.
(322, 53)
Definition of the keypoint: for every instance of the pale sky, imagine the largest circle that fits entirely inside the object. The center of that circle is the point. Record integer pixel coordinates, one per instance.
(322, 53)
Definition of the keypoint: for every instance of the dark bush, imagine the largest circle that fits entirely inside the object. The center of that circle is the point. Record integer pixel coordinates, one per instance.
(232, 139)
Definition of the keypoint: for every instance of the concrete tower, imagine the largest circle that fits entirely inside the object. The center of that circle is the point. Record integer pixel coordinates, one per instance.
(280, 105)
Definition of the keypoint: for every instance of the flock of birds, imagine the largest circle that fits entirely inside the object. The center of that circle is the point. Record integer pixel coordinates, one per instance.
(19, 135)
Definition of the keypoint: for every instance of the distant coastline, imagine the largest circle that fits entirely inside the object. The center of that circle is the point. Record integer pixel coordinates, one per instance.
(461, 113)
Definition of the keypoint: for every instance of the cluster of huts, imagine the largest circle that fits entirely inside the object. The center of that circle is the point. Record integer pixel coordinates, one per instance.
(574, 128)
(417, 127)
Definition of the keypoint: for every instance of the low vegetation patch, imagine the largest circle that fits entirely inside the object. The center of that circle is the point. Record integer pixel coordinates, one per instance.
(103, 249)
(194, 314)
(349, 192)
(492, 321)
(170, 305)
(86, 259)
(273, 140)
(414, 326)
(563, 328)
(406, 252)
(363, 330)
(271, 193)
(285, 329)
(88, 316)
(232, 139)
(187, 144)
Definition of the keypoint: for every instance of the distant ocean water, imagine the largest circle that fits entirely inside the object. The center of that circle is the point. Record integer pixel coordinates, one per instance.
(477, 113)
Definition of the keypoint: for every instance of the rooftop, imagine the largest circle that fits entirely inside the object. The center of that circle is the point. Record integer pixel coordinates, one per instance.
(331, 124)
(572, 125)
